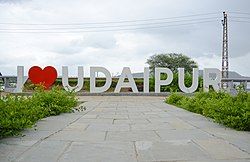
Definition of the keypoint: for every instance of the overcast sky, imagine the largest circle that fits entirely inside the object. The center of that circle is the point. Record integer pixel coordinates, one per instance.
(201, 41)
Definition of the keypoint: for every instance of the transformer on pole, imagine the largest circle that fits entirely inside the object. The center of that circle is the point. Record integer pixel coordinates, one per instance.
(224, 68)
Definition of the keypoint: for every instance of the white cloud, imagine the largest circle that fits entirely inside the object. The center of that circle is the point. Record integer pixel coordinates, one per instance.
(238, 64)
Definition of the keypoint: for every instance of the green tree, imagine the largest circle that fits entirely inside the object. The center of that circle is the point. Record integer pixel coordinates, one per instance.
(172, 61)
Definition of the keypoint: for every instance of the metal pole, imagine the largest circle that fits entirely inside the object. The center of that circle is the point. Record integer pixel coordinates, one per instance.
(224, 68)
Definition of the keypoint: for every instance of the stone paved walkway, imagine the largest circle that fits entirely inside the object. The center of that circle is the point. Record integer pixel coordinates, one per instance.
(127, 129)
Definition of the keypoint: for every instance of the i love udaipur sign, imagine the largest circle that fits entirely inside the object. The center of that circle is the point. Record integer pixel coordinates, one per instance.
(49, 74)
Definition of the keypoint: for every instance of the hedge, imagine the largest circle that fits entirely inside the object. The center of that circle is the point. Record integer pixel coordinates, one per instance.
(231, 111)
(19, 112)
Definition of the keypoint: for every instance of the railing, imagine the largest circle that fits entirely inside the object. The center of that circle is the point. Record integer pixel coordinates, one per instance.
(242, 81)
(8, 83)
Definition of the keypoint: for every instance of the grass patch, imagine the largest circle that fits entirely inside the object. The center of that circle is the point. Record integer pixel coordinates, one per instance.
(231, 111)
(19, 112)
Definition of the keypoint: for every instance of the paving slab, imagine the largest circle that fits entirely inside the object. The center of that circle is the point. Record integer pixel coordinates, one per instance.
(150, 126)
(100, 151)
(132, 136)
(75, 135)
(45, 151)
(221, 149)
(179, 150)
(127, 128)
(131, 121)
(109, 127)
(185, 134)
(9, 152)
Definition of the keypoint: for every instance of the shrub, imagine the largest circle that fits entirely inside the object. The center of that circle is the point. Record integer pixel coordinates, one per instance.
(55, 101)
(19, 112)
(232, 111)
(175, 98)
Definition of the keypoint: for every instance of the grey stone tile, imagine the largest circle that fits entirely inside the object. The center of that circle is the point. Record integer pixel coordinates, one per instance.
(240, 139)
(162, 120)
(205, 124)
(100, 151)
(179, 124)
(31, 134)
(111, 116)
(132, 136)
(18, 141)
(108, 127)
(45, 151)
(87, 121)
(150, 126)
(66, 117)
(89, 116)
(9, 152)
(146, 116)
(215, 160)
(131, 121)
(243, 144)
(220, 149)
(183, 134)
(76, 126)
(121, 112)
(50, 126)
(73, 135)
(135, 109)
(179, 150)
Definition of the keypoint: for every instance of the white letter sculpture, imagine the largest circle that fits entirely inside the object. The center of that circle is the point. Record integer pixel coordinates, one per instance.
(158, 81)
(181, 82)
(21, 79)
(146, 80)
(65, 79)
(131, 83)
(93, 88)
(209, 81)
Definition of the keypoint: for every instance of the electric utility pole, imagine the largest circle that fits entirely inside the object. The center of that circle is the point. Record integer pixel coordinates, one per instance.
(224, 68)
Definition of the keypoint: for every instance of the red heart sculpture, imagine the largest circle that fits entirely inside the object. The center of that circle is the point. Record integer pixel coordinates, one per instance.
(46, 76)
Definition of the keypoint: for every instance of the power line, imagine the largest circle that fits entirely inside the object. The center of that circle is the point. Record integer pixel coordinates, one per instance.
(106, 30)
(112, 26)
(113, 22)
(241, 13)
(239, 17)
(240, 21)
